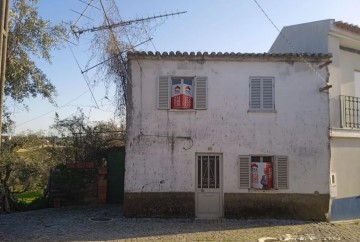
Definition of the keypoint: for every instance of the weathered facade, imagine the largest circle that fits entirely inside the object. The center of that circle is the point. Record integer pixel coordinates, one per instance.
(343, 41)
(203, 130)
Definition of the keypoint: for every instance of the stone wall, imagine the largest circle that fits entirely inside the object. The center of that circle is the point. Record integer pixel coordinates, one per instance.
(73, 186)
(159, 204)
(278, 206)
(236, 205)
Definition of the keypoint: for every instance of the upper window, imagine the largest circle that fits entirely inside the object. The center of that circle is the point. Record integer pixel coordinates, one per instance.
(357, 83)
(182, 93)
(262, 94)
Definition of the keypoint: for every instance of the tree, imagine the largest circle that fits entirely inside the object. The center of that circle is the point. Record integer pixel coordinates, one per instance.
(110, 45)
(27, 160)
(30, 36)
(82, 140)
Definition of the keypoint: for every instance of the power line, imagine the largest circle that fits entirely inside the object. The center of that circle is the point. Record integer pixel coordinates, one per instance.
(81, 14)
(122, 61)
(44, 114)
(289, 43)
(89, 4)
(114, 56)
(152, 42)
(127, 35)
(85, 77)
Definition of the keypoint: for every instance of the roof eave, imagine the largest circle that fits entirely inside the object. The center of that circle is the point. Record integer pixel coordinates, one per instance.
(199, 56)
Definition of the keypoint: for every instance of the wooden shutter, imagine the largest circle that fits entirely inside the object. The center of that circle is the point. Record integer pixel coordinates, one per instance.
(255, 93)
(282, 172)
(163, 97)
(244, 171)
(267, 93)
(201, 98)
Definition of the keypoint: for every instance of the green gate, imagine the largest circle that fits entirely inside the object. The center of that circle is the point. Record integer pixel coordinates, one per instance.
(116, 174)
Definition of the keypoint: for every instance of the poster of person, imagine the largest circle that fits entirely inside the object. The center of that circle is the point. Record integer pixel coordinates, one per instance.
(176, 94)
(262, 175)
(182, 94)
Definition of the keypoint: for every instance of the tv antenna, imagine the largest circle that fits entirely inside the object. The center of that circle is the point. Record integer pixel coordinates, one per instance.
(124, 23)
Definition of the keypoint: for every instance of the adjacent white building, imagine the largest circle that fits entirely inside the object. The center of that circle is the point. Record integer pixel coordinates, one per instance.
(232, 135)
(342, 40)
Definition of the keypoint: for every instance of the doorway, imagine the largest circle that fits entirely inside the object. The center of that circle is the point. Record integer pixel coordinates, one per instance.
(208, 194)
(115, 176)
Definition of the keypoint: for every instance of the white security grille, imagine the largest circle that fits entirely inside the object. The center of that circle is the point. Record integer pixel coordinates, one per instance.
(208, 171)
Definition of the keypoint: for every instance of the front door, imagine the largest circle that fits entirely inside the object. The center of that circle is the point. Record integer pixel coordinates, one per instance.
(208, 195)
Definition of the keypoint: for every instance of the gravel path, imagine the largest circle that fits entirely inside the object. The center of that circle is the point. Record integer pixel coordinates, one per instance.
(75, 224)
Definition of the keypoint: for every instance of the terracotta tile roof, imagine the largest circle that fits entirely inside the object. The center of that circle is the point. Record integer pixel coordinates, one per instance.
(232, 56)
(349, 27)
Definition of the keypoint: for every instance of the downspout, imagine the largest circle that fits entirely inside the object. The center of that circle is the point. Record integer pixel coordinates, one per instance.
(328, 215)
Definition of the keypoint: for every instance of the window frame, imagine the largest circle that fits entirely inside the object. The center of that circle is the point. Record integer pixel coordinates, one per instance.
(182, 79)
(280, 172)
(261, 160)
(262, 109)
(164, 93)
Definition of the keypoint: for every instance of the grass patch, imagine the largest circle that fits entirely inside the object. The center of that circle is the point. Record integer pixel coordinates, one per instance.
(28, 197)
(27, 201)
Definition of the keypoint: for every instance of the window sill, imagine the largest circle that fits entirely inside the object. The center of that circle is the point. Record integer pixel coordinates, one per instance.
(345, 133)
(255, 190)
(261, 111)
(182, 110)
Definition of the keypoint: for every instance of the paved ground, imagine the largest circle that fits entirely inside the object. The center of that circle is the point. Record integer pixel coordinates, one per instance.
(75, 224)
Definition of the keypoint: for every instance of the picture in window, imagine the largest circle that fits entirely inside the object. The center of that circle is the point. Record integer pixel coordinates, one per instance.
(262, 172)
(182, 93)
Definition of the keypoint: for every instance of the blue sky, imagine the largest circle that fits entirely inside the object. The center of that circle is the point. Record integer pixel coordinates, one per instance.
(208, 25)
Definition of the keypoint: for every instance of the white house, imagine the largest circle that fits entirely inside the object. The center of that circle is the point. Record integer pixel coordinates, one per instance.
(228, 135)
(342, 40)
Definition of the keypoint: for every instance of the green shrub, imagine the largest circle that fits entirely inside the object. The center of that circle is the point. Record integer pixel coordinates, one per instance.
(28, 201)
(28, 197)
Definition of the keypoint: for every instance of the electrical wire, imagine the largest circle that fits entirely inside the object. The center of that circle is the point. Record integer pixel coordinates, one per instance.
(115, 39)
(44, 114)
(288, 42)
(83, 12)
(85, 77)
(114, 56)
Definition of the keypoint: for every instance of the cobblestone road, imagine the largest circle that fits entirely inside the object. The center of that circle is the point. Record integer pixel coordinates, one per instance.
(75, 224)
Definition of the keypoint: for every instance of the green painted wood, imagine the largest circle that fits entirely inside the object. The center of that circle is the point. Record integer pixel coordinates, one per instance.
(116, 174)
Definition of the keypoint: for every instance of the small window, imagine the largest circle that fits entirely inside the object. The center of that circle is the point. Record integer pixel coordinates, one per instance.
(262, 94)
(182, 93)
(264, 172)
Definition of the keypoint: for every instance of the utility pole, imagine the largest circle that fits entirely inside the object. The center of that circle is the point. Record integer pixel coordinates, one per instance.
(4, 29)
